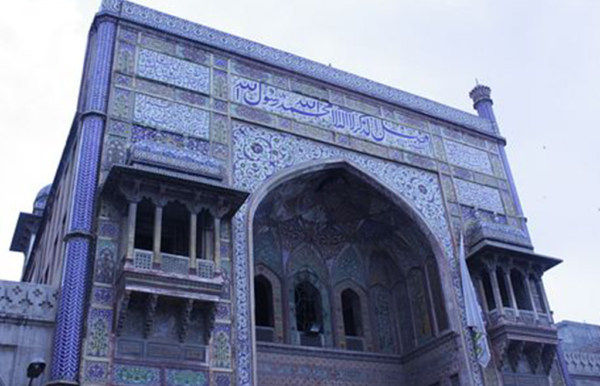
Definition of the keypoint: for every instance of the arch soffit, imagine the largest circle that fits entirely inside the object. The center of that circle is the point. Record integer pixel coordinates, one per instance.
(305, 168)
(309, 167)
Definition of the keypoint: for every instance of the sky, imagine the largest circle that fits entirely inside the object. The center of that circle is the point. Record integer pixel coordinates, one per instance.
(540, 57)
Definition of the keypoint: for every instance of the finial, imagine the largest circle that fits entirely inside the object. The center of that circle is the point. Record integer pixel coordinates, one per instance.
(480, 93)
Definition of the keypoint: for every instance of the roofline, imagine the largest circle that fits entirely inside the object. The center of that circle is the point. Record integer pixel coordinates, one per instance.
(24, 220)
(490, 245)
(154, 19)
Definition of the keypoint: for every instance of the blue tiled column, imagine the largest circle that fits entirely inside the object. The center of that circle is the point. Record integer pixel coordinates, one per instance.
(78, 260)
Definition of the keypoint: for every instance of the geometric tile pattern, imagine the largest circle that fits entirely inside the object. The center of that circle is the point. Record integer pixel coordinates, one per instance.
(173, 71)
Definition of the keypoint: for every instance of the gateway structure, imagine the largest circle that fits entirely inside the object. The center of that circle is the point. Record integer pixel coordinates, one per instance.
(225, 213)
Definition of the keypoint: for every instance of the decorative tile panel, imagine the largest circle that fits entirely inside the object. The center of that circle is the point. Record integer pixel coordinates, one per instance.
(479, 196)
(130, 375)
(177, 72)
(171, 116)
(221, 343)
(185, 378)
(169, 156)
(95, 372)
(121, 104)
(28, 300)
(102, 296)
(99, 332)
(468, 157)
(324, 114)
(125, 58)
(220, 87)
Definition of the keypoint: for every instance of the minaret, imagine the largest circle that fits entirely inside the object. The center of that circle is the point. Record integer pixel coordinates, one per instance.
(483, 103)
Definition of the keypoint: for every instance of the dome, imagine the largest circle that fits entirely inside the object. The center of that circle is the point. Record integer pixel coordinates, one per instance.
(40, 200)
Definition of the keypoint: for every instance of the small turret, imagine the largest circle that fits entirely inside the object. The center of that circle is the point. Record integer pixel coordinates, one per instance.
(40, 200)
(483, 103)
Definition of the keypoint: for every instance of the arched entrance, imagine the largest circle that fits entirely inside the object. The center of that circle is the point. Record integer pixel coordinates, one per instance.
(357, 269)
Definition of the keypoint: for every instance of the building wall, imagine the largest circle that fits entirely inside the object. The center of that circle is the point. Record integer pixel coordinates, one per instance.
(47, 256)
(188, 102)
(581, 347)
(27, 316)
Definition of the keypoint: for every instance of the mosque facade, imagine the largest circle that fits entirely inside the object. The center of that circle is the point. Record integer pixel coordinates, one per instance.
(225, 213)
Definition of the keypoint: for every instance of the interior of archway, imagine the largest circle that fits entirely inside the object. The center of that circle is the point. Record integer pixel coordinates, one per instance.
(334, 231)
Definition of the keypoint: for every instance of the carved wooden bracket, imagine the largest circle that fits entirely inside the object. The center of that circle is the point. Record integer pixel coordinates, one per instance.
(123, 305)
(533, 352)
(516, 350)
(210, 315)
(548, 356)
(186, 318)
(150, 313)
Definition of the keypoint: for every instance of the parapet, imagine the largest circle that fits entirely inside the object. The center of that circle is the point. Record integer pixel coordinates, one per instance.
(27, 301)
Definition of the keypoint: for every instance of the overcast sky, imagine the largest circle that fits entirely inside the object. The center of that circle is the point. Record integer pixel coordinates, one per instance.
(541, 58)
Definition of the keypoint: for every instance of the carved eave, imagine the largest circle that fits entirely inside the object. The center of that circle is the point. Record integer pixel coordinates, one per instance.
(27, 224)
(485, 249)
(190, 188)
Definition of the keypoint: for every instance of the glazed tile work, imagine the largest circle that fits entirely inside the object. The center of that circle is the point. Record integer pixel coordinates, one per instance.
(167, 115)
(479, 196)
(324, 114)
(177, 72)
(196, 115)
(468, 157)
(206, 35)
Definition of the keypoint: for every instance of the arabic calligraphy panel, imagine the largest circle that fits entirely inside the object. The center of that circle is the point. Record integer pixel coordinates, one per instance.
(324, 114)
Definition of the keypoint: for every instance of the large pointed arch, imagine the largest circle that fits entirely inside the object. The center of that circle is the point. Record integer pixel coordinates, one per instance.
(305, 168)
(436, 234)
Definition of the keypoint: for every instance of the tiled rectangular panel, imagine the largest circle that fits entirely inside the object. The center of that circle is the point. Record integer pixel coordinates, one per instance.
(479, 196)
(324, 114)
(167, 115)
(468, 157)
(177, 72)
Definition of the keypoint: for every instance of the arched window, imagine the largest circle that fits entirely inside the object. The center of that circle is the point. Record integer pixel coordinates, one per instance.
(263, 302)
(352, 313)
(144, 225)
(519, 286)
(487, 289)
(309, 313)
(538, 296)
(175, 237)
(502, 287)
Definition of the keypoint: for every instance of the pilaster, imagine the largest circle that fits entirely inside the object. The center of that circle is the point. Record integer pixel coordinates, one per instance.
(78, 262)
